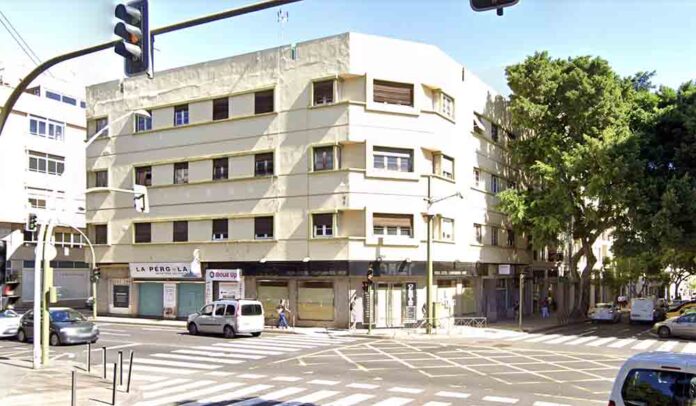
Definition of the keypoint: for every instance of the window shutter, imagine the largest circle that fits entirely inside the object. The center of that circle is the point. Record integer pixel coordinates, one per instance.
(393, 93)
(392, 220)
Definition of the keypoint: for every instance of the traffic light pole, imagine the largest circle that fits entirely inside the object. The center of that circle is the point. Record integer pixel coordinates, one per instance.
(47, 285)
(38, 262)
(26, 81)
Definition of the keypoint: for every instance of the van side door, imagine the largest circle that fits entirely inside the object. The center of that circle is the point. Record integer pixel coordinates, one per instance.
(218, 320)
(231, 316)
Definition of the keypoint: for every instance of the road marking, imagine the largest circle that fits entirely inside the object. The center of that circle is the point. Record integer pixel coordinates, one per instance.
(500, 399)
(243, 349)
(582, 340)
(114, 347)
(601, 341)
(199, 358)
(542, 338)
(148, 378)
(112, 330)
(252, 376)
(283, 343)
(540, 403)
(219, 373)
(400, 389)
(622, 343)
(644, 345)
(194, 365)
(323, 382)
(231, 395)
(189, 395)
(667, 346)
(351, 400)
(113, 334)
(434, 403)
(522, 337)
(287, 378)
(394, 402)
(226, 353)
(163, 384)
(456, 395)
(147, 368)
(362, 386)
(311, 398)
(562, 339)
(179, 388)
(689, 348)
(279, 394)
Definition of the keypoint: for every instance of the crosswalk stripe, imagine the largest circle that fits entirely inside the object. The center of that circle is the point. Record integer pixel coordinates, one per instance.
(405, 390)
(283, 343)
(667, 346)
(250, 390)
(601, 341)
(225, 353)
(562, 339)
(540, 403)
(279, 394)
(394, 402)
(522, 337)
(147, 378)
(351, 400)
(163, 384)
(195, 365)
(582, 340)
(457, 395)
(252, 376)
(190, 395)
(147, 368)
(311, 398)
(287, 378)
(622, 343)
(271, 345)
(542, 338)
(178, 388)
(316, 340)
(323, 382)
(435, 403)
(243, 349)
(500, 399)
(644, 345)
(362, 386)
(689, 348)
(198, 358)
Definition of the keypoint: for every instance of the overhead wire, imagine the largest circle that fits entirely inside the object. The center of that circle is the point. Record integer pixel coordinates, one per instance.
(19, 39)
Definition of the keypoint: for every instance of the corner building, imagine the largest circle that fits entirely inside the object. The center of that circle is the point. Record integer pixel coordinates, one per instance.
(289, 172)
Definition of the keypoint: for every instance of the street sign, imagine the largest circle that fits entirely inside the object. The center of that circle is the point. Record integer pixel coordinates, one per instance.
(411, 302)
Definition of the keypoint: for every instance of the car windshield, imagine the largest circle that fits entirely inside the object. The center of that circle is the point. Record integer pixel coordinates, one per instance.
(60, 316)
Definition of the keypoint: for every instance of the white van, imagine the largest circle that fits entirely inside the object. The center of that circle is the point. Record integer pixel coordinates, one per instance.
(642, 309)
(655, 378)
(228, 317)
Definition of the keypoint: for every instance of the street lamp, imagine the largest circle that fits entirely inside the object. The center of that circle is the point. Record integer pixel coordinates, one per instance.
(100, 132)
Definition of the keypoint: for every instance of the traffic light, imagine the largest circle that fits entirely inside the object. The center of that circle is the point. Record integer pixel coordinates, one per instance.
(96, 274)
(141, 202)
(31, 223)
(10, 294)
(485, 5)
(134, 28)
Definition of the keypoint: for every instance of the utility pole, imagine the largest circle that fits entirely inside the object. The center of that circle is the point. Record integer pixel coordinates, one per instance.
(521, 299)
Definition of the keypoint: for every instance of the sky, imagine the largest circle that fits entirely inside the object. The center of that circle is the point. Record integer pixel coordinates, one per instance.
(633, 35)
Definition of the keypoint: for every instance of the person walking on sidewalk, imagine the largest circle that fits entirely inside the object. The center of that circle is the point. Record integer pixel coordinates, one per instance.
(282, 315)
(545, 309)
(353, 313)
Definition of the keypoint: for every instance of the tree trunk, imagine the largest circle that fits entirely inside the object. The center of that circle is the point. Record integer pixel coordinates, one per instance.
(583, 303)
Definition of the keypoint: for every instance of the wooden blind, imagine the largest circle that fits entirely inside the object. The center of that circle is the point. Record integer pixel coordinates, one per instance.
(221, 108)
(180, 231)
(220, 226)
(323, 219)
(392, 220)
(393, 93)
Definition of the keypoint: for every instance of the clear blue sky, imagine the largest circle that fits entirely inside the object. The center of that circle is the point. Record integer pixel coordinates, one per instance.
(634, 35)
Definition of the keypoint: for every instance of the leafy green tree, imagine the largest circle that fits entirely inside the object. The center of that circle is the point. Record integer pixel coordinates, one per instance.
(574, 157)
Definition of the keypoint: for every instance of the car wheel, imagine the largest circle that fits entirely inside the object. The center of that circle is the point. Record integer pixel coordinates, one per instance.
(229, 332)
(256, 334)
(663, 332)
(21, 336)
(192, 329)
(54, 339)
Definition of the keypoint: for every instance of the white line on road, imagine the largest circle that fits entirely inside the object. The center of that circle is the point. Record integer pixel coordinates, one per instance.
(105, 333)
(601, 341)
(252, 376)
(582, 340)
(227, 354)
(231, 395)
(219, 373)
(522, 337)
(362, 386)
(644, 344)
(191, 395)
(114, 347)
(540, 403)
(287, 378)
(622, 343)
(351, 400)
(279, 394)
(500, 399)
(400, 389)
(163, 384)
(198, 358)
(178, 388)
(667, 346)
(435, 403)
(194, 365)
(159, 370)
(456, 395)
(243, 349)
(323, 382)
(394, 402)
(689, 348)
(312, 398)
(542, 338)
(562, 339)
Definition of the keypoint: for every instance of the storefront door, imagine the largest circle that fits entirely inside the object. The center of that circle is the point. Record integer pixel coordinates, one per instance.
(150, 299)
(388, 305)
(190, 298)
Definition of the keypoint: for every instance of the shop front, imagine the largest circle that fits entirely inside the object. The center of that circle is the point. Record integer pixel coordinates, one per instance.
(164, 290)
(223, 284)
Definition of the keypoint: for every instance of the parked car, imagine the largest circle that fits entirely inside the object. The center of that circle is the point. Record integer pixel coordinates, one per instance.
(605, 312)
(645, 310)
(680, 309)
(655, 378)
(66, 326)
(682, 326)
(9, 323)
(228, 317)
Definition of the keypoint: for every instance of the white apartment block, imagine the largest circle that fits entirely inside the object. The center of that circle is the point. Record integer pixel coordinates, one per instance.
(42, 160)
(290, 172)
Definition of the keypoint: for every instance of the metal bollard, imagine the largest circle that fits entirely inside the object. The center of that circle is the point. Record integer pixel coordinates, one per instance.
(104, 360)
(89, 357)
(120, 365)
(113, 390)
(130, 369)
(73, 390)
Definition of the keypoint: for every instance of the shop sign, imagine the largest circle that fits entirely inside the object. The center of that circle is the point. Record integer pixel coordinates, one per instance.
(411, 301)
(156, 270)
(169, 300)
(121, 296)
(231, 275)
(504, 269)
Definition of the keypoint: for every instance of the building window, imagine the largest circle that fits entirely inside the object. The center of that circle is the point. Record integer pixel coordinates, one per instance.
(73, 240)
(392, 224)
(393, 93)
(263, 228)
(180, 173)
(220, 168)
(101, 178)
(100, 234)
(37, 203)
(478, 234)
(143, 123)
(393, 159)
(263, 164)
(510, 238)
(494, 132)
(101, 124)
(43, 127)
(52, 95)
(263, 102)
(477, 177)
(143, 232)
(315, 300)
(70, 100)
(83, 104)
(446, 167)
(221, 108)
(494, 236)
(143, 176)
(323, 158)
(46, 163)
(447, 229)
(180, 231)
(495, 184)
(323, 92)
(220, 229)
(323, 225)
(181, 115)
(447, 105)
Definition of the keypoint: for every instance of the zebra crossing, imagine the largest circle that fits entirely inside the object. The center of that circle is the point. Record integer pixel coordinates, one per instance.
(606, 342)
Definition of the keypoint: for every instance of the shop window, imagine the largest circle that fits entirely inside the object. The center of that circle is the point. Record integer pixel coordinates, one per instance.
(323, 225)
(143, 232)
(263, 102)
(323, 92)
(220, 168)
(143, 176)
(392, 224)
(315, 301)
(220, 229)
(263, 164)
(263, 228)
(221, 108)
(270, 294)
(393, 93)
(180, 231)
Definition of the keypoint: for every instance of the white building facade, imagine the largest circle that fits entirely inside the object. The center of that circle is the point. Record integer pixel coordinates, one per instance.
(290, 172)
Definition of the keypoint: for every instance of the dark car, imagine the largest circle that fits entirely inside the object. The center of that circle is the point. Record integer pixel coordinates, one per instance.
(67, 327)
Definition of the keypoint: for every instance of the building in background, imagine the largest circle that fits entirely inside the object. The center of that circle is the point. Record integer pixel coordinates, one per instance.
(42, 160)
(292, 171)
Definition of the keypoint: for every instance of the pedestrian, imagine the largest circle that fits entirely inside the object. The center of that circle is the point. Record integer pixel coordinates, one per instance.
(545, 309)
(353, 314)
(282, 315)
(517, 309)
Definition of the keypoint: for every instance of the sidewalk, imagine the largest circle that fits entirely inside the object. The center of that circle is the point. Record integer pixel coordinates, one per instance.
(21, 385)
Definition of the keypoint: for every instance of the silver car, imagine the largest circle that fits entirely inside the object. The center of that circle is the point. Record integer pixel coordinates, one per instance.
(228, 317)
(66, 326)
(681, 326)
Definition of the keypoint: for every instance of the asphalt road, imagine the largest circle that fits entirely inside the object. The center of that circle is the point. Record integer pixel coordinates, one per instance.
(574, 365)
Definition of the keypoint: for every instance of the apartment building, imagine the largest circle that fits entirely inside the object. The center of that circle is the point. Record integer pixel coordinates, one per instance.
(287, 173)
(42, 160)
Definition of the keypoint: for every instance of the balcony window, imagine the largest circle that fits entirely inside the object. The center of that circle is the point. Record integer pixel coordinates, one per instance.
(46, 163)
(263, 102)
(220, 229)
(478, 234)
(100, 233)
(143, 232)
(263, 228)
(221, 108)
(181, 115)
(447, 105)
(384, 224)
(323, 225)
(101, 178)
(443, 166)
(143, 123)
(46, 128)
(143, 176)
(323, 92)
(477, 177)
(180, 173)
(393, 159)
(263, 164)
(393, 93)
(37, 203)
(220, 168)
(447, 229)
